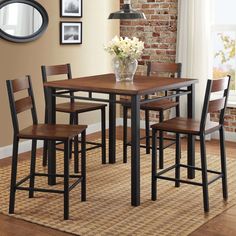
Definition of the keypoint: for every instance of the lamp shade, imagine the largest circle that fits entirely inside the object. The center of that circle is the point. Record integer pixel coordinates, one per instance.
(127, 13)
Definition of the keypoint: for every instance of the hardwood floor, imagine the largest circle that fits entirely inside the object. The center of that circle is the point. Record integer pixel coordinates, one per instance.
(222, 225)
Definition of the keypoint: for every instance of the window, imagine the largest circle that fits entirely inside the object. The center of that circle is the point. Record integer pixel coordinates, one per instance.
(224, 43)
(8, 23)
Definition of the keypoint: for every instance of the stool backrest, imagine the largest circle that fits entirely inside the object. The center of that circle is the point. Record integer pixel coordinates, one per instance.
(64, 69)
(173, 69)
(50, 71)
(22, 104)
(216, 105)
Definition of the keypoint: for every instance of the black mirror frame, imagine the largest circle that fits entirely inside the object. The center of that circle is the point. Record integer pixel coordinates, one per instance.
(33, 36)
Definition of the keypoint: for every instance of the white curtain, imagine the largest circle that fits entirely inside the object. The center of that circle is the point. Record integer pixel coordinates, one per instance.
(194, 45)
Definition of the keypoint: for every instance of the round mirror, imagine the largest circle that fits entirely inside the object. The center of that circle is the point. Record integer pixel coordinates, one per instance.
(22, 20)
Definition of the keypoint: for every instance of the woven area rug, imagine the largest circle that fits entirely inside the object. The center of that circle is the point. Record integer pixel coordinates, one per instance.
(107, 211)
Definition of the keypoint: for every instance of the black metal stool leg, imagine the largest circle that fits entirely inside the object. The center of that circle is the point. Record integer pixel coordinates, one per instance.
(223, 163)
(83, 166)
(45, 153)
(177, 112)
(66, 179)
(103, 124)
(154, 164)
(76, 147)
(161, 143)
(76, 155)
(73, 119)
(177, 160)
(45, 144)
(147, 124)
(13, 175)
(204, 173)
(32, 167)
(125, 111)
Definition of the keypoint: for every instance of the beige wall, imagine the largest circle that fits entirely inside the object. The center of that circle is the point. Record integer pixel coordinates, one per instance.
(86, 59)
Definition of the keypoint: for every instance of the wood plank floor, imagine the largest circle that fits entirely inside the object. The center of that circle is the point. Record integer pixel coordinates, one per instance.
(222, 225)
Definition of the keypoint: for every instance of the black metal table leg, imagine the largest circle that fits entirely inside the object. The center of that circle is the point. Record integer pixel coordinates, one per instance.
(51, 104)
(67, 151)
(125, 138)
(135, 150)
(103, 128)
(112, 128)
(191, 138)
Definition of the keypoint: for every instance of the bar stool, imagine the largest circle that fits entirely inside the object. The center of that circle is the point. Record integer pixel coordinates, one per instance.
(74, 109)
(45, 132)
(154, 68)
(180, 125)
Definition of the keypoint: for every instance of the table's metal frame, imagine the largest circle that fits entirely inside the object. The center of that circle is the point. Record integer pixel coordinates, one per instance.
(135, 134)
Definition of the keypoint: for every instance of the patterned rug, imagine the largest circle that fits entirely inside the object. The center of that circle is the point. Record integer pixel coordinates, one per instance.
(107, 211)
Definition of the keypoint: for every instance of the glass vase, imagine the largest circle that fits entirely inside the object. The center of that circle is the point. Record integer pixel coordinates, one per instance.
(124, 69)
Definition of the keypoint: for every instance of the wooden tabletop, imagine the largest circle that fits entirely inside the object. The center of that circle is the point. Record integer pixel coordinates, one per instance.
(107, 84)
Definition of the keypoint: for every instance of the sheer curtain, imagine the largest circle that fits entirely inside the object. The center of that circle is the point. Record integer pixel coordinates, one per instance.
(194, 45)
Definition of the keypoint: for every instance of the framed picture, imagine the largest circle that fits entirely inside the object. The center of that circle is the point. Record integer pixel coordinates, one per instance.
(71, 32)
(71, 8)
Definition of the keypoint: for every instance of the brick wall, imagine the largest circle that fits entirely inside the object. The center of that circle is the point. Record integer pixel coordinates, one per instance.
(230, 119)
(159, 32)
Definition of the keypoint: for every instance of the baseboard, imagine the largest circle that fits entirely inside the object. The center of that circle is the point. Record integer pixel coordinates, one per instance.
(25, 146)
(229, 136)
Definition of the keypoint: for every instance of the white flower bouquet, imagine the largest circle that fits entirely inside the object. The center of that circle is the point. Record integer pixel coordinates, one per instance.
(125, 48)
(126, 51)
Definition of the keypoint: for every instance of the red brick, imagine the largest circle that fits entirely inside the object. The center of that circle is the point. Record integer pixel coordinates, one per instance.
(160, 17)
(145, 57)
(148, 11)
(139, 28)
(156, 34)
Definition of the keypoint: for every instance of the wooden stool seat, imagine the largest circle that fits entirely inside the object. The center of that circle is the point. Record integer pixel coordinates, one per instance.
(78, 107)
(185, 126)
(161, 105)
(51, 132)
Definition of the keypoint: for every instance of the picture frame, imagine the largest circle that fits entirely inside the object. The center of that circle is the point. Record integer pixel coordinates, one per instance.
(70, 32)
(71, 8)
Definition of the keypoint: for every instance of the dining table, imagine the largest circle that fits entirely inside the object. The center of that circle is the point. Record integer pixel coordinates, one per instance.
(137, 89)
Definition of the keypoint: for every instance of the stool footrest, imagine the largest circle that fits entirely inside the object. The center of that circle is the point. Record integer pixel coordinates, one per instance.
(159, 175)
(179, 180)
(164, 146)
(198, 168)
(57, 175)
(40, 190)
(95, 145)
(18, 187)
